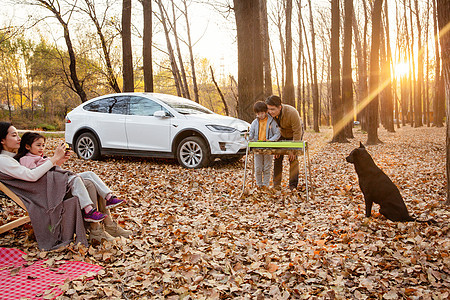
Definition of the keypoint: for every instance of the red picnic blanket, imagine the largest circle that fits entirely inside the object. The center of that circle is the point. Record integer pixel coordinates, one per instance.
(32, 281)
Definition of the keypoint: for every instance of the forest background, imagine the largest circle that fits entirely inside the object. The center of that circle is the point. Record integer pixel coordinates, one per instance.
(194, 54)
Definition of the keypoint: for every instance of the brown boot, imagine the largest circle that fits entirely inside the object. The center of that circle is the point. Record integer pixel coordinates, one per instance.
(116, 231)
(99, 234)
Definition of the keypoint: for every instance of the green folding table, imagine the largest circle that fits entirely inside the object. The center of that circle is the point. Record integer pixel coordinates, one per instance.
(280, 148)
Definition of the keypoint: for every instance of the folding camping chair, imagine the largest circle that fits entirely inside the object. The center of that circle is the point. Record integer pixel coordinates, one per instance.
(281, 147)
(18, 222)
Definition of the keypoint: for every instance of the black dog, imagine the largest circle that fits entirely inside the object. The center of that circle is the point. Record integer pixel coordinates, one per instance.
(378, 188)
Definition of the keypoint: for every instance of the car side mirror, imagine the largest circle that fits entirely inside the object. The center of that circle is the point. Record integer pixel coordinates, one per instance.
(160, 114)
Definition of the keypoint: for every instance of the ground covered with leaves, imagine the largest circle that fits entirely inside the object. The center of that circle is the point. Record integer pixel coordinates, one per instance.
(196, 237)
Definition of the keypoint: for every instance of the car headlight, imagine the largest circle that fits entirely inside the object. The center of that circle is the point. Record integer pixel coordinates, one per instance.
(220, 128)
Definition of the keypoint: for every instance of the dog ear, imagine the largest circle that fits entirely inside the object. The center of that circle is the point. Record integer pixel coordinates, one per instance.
(361, 145)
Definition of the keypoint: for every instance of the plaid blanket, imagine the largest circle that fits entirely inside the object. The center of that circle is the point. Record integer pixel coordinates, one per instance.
(18, 280)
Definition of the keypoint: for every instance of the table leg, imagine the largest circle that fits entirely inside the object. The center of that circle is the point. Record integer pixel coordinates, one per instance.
(306, 171)
(245, 170)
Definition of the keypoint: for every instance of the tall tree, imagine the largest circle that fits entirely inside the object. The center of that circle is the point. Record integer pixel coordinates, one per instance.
(300, 104)
(387, 93)
(191, 53)
(361, 56)
(412, 75)
(427, 72)
(438, 80)
(336, 101)
(173, 62)
(250, 66)
(127, 52)
(183, 82)
(289, 92)
(147, 45)
(90, 10)
(374, 75)
(347, 82)
(443, 10)
(315, 87)
(75, 84)
(266, 49)
(418, 99)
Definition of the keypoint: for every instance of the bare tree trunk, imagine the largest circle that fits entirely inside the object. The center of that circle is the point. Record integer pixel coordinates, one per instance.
(227, 112)
(128, 76)
(427, 74)
(362, 70)
(315, 88)
(388, 90)
(374, 74)
(282, 47)
(183, 82)
(75, 85)
(308, 77)
(443, 10)
(413, 81)
(8, 99)
(364, 112)
(147, 47)
(250, 65)
(91, 12)
(276, 69)
(308, 96)
(266, 49)
(191, 54)
(347, 82)
(305, 78)
(299, 63)
(419, 96)
(289, 92)
(438, 81)
(336, 102)
(173, 63)
(396, 107)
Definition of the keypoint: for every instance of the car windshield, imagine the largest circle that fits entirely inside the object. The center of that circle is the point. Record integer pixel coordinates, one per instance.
(183, 106)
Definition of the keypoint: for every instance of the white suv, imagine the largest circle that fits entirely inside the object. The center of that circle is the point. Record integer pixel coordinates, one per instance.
(154, 125)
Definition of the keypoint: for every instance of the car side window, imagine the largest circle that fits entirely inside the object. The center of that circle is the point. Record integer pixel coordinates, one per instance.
(140, 106)
(114, 105)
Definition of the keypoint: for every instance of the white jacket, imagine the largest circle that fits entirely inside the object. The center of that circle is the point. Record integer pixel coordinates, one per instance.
(11, 167)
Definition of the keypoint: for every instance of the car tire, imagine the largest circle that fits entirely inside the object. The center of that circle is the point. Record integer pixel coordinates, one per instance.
(192, 153)
(87, 146)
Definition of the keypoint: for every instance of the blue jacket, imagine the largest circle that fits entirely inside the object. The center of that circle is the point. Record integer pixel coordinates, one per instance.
(272, 130)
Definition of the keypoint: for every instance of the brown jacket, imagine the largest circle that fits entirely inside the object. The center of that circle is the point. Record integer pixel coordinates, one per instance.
(290, 123)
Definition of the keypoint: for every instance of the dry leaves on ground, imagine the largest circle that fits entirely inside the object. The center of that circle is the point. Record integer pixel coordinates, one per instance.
(195, 237)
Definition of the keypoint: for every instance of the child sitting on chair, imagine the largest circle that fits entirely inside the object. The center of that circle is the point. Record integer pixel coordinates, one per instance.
(263, 128)
(31, 155)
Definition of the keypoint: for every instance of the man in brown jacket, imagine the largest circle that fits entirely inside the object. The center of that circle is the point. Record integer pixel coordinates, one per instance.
(291, 129)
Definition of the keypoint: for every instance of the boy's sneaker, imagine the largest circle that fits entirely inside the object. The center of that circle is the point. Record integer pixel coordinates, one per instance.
(113, 201)
(94, 216)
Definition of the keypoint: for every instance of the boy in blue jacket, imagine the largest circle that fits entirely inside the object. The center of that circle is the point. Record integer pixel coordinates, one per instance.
(263, 128)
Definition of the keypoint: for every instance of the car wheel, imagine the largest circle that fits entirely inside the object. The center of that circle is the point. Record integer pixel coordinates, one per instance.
(192, 153)
(87, 146)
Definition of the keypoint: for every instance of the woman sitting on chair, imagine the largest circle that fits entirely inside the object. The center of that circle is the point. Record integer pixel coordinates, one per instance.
(55, 215)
